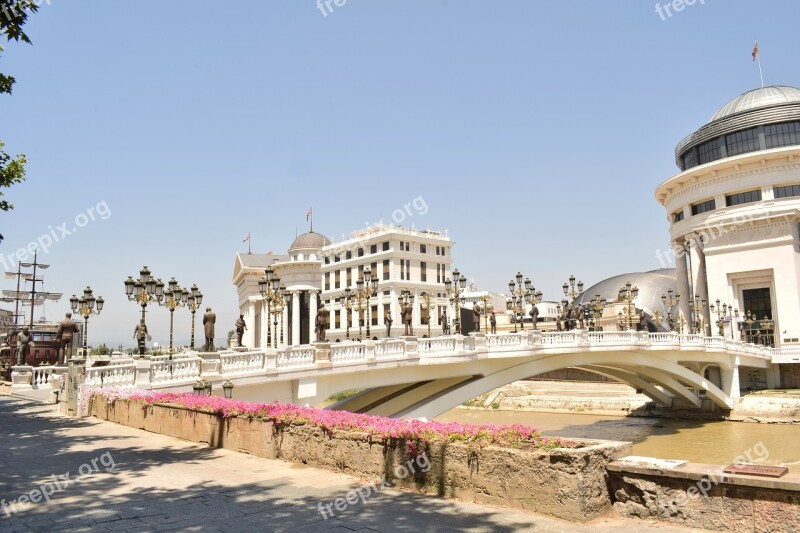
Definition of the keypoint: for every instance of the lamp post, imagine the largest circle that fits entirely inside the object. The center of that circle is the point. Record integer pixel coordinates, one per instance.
(668, 302)
(569, 290)
(735, 319)
(697, 307)
(628, 294)
(348, 306)
(86, 307)
(596, 306)
(193, 303)
(455, 290)
(227, 389)
(426, 305)
(749, 319)
(366, 288)
(723, 311)
(175, 297)
(767, 324)
(274, 295)
(144, 290)
(522, 292)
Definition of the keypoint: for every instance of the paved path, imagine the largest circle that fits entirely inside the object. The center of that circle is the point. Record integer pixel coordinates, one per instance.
(139, 481)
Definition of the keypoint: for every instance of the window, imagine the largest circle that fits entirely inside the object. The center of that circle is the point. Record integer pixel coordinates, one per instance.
(742, 142)
(360, 271)
(360, 252)
(702, 207)
(47, 354)
(402, 269)
(439, 273)
(709, 151)
(348, 254)
(336, 258)
(337, 323)
(349, 277)
(327, 260)
(338, 280)
(374, 317)
(405, 246)
(36, 354)
(423, 248)
(373, 249)
(677, 216)
(385, 246)
(787, 191)
(327, 281)
(779, 135)
(423, 271)
(743, 198)
(690, 159)
(385, 269)
(374, 270)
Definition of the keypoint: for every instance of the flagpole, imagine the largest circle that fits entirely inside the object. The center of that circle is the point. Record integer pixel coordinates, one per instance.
(248, 244)
(759, 69)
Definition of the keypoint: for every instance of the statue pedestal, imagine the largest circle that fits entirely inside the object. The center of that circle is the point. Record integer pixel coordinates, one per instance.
(322, 352)
(21, 376)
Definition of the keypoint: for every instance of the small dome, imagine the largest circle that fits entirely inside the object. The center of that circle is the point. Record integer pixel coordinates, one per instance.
(309, 241)
(757, 98)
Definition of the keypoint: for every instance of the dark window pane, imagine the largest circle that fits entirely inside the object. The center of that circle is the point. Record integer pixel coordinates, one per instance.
(742, 142)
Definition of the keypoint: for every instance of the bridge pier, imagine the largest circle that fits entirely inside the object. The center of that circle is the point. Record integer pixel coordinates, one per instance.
(730, 381)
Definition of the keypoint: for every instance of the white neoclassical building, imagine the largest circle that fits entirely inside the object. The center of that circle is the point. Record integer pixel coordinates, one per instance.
(299, 274)
(402, 259)
(734, 210)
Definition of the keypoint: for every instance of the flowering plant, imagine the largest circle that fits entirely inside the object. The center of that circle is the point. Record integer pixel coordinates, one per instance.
(415, 433)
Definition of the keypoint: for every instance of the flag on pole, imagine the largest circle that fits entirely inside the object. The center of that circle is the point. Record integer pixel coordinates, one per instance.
(755, 51)
(308, 214)
(247, 238)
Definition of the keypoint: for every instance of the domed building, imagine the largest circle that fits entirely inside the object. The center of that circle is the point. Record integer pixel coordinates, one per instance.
(298, 276)
(733, 210)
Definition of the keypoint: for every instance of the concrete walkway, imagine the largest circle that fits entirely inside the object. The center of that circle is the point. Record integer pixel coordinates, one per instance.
(139, 481)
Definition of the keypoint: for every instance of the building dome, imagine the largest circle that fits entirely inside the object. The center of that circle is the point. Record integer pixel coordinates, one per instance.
(761, 119)
(758, 98)
(309, 241)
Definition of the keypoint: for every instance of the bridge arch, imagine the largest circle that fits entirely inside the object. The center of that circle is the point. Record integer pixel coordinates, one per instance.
(659, 371)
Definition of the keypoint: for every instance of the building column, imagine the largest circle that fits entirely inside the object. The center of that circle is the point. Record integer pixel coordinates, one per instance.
(249, 337)
(283, 324)
(295, 318)
(265, 319)
(682, 276)
(312, 315)
(701, 288)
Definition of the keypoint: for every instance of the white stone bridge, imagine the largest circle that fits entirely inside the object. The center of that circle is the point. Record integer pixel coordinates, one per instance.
(416, 377)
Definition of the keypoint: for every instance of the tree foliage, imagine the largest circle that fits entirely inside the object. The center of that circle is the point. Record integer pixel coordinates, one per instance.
(13, 15)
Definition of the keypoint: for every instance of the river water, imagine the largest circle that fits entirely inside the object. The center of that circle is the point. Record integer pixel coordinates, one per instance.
(691, 440)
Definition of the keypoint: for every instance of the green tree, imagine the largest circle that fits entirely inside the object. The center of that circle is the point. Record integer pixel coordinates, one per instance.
(13, 15)
(103, 350)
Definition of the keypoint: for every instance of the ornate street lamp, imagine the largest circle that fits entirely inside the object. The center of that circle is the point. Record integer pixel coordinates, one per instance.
(455, 290)
(569, 290)
(697, 307)
(87, 306)
(668, 302)
(628, 294)
(144, 290)
(768, 325)
(521, 292)
(347, 303)
(193, 303)
(227, 389)
(596, 306)
(175, 297)
(723, 311)
(275, 296)
(366, 288)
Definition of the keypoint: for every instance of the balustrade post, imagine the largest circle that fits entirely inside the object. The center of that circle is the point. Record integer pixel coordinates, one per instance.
(322, 354)
(369, 350)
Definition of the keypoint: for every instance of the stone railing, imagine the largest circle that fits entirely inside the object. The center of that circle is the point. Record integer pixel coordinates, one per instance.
(506, 340)
(111, 375)
(436, 345)
(348, 352)
(390, 349)
(187, 368)
(233, 363)
(785, 355)
(41, 376)
(296, 357)
(561, 338)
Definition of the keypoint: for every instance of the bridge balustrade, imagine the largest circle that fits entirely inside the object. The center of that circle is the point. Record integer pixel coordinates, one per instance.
(109, 376)
(296, 357)
(235, 363)
(187, 368)
(390, 349)
(437, 345)
(41, 376)
(348, 352)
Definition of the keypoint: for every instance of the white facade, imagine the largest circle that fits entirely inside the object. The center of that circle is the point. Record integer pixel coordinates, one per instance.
(402, 259)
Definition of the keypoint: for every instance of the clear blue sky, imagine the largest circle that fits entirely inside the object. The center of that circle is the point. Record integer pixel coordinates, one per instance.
(536, 132)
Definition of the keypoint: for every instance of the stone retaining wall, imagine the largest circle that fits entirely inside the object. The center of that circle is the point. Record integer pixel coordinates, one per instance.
(571, 484)
(702, 496)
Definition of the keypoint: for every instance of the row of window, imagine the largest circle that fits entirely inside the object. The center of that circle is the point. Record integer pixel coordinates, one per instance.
(785, 191)
(340, 317)
(405, 246)
(742, 142)
(405, 273)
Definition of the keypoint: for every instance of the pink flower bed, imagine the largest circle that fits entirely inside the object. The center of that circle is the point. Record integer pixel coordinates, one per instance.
(414, 432)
